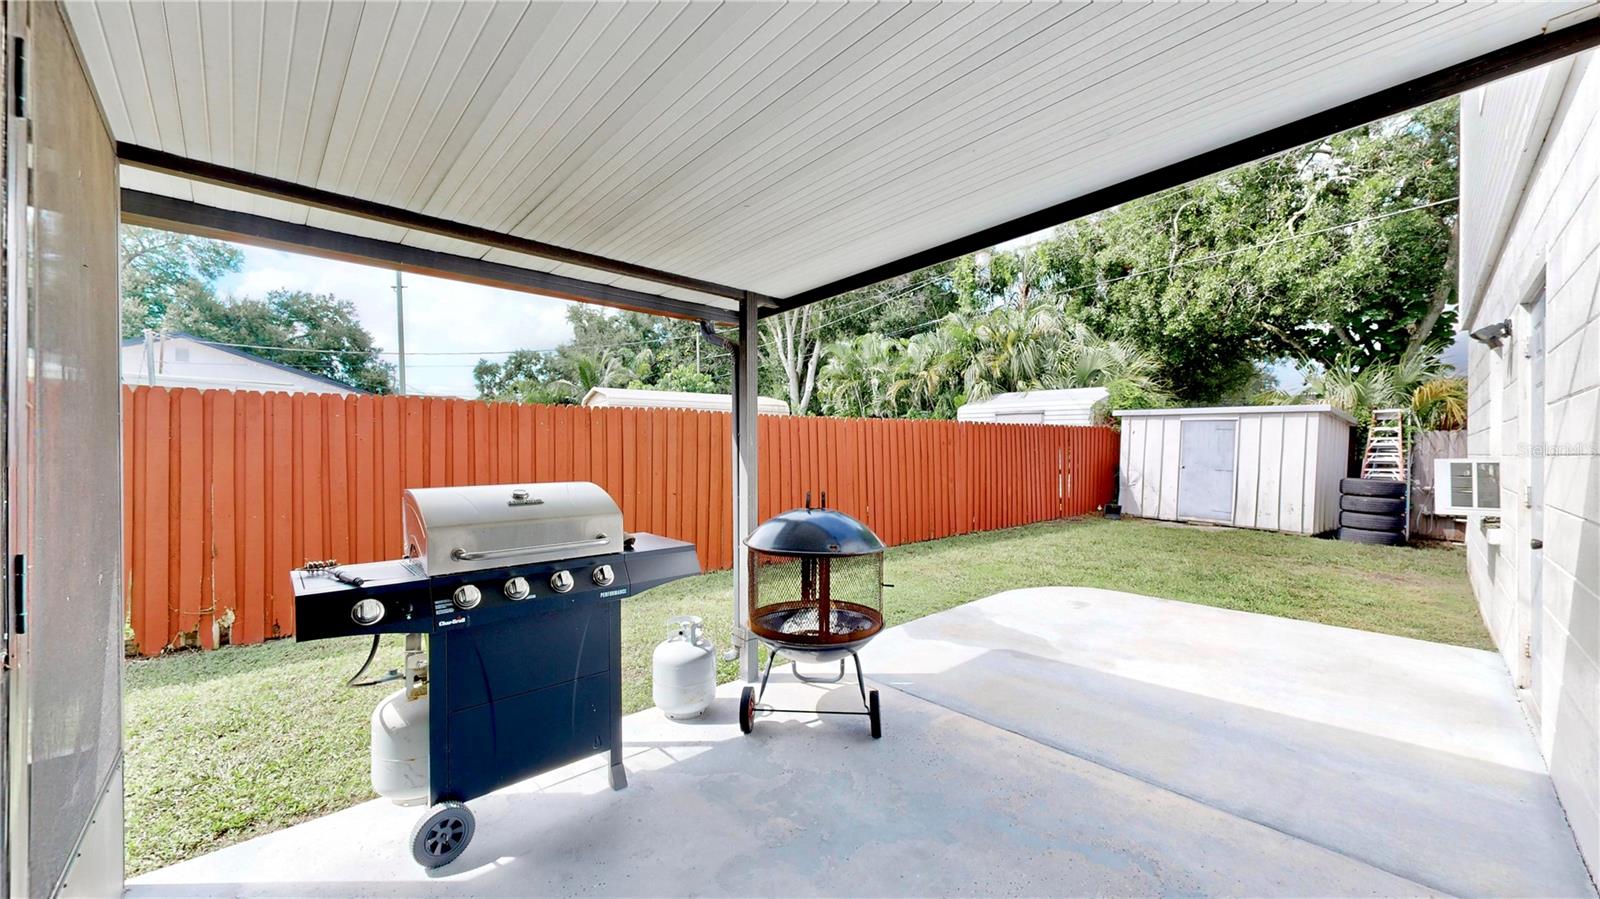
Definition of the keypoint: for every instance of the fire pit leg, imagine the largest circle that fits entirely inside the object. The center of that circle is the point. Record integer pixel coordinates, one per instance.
(771, 657)
(860, 681)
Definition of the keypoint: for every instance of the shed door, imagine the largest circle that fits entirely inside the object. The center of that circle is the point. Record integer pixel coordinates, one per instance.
(1205, 470)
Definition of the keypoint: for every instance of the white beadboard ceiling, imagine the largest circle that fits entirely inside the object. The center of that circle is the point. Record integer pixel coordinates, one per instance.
(773, 147)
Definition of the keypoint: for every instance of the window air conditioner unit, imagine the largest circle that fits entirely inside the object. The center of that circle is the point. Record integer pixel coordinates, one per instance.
(1466, 487)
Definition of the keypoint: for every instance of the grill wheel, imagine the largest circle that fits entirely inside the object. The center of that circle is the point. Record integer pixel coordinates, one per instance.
(442, 835)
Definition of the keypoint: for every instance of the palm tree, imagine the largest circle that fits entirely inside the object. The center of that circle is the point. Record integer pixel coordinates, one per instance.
(1129, 374)
(1013, 348)
(587, 372)
(857, 377)
(927, 378)
(972, 356)
(1441, 404)
(1433, 398)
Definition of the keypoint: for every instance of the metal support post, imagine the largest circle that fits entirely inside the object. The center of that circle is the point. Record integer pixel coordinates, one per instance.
(746, 364)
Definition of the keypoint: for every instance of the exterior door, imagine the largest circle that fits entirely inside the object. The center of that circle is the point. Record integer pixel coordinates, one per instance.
(63, 621)
(1205, 469)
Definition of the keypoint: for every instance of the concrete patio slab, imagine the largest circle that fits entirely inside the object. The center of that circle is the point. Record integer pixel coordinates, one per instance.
(1409, 756)
(1036, 742)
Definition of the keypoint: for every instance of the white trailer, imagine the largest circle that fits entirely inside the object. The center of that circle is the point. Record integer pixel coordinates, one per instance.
(1070, 406)
(600, 397)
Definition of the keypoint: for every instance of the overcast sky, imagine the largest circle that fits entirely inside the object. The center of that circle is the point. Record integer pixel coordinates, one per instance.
(442, 317)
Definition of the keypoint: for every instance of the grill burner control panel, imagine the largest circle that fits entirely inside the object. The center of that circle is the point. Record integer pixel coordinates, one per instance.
(523, 589)
(395, 597)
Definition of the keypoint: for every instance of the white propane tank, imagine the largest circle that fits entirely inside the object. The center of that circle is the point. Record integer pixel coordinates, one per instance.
(400, 749)
(685, 669)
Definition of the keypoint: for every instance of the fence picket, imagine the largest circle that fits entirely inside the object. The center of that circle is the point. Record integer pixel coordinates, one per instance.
(225, 492)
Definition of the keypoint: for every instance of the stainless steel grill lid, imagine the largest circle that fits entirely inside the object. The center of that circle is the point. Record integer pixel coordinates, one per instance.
(814, 532)
(459, 529)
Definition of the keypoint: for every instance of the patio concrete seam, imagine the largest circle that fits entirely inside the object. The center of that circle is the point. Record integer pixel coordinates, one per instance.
(976, 715)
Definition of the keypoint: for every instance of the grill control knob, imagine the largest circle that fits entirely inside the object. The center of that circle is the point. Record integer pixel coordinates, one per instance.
(467, 597)
(517, 588)
(602, 575)
(367, 612)
(561, 581)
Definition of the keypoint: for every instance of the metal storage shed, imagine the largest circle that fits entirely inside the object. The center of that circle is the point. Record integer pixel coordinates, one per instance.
(1273, 468)
(1071, 406)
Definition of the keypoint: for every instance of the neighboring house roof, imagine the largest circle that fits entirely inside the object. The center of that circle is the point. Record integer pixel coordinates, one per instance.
(252, 357)
(676, 399)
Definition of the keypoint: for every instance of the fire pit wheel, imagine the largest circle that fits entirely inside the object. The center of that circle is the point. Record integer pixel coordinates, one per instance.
(442, 834)
(747, 710)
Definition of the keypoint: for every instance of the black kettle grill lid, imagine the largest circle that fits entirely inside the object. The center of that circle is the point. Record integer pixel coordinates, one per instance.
(814, 532)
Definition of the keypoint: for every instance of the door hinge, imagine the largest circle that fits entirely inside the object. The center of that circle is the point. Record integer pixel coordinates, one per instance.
(19, 594)
(19, 76)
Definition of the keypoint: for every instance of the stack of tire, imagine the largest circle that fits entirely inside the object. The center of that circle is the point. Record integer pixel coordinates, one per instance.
(1372, 510)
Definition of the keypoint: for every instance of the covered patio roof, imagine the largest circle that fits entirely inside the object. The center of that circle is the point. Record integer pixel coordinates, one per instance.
(691, 158)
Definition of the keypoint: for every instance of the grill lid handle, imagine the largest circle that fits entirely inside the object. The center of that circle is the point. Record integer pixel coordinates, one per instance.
(463, 555)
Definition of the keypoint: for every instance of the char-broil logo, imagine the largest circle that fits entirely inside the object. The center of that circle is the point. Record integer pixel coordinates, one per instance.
(521, 498)
(459, 619)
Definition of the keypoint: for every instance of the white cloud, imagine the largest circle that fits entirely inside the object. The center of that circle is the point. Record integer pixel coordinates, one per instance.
(442, 317)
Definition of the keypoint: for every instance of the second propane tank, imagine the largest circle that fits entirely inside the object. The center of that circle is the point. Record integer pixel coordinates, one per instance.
(400, 749)
(685, 669)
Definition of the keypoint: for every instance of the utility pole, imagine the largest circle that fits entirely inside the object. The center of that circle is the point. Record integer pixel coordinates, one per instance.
(400, 325)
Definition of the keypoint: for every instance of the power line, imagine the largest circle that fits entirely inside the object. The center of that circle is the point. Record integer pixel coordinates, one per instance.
(668, 338)
(840, 315)
(1222, 253)
(1274, 242)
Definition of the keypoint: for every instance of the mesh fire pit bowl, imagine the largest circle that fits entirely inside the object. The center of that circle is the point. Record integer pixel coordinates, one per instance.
(816, 595)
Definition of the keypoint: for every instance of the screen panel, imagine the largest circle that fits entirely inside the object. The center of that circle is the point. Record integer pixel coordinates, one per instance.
(73, 459)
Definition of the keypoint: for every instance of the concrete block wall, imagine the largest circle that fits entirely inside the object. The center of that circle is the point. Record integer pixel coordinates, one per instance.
(1540, 232)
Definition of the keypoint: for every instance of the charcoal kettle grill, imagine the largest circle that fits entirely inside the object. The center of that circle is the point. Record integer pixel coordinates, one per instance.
(816, 596)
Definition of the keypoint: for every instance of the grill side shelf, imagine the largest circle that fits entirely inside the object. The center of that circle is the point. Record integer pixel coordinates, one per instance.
(654, 561)
(323, 605)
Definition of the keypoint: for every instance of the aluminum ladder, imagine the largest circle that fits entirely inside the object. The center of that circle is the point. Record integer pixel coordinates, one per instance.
(1385, 457)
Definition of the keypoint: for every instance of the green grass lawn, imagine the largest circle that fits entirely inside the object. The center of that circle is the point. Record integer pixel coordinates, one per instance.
(225, 745)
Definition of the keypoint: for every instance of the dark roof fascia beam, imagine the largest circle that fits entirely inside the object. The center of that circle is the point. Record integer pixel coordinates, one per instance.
(261, 185)
(157, 211)
(1446, 82)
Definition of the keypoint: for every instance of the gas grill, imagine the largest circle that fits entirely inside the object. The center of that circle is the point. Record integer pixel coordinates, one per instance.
(509, 597)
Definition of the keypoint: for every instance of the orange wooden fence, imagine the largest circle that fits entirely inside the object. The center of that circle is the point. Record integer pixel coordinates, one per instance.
(227, 491)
